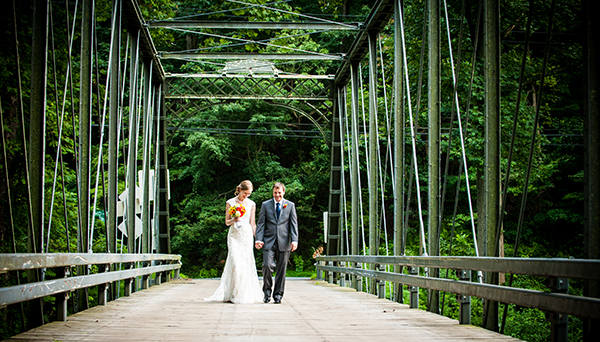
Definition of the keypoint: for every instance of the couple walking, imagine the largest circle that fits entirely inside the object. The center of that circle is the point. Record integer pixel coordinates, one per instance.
(276, 233)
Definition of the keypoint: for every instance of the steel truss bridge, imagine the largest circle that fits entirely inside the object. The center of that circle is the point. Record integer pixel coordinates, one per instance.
(148, 104)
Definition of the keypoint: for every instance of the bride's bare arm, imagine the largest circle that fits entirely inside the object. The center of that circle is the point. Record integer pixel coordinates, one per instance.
(228, 219)
(253, 220)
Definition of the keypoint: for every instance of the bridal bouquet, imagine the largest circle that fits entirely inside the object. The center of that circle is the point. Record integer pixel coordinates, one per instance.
(237, 210)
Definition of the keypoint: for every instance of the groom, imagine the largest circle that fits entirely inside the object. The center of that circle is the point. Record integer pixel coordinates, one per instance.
(277, 235)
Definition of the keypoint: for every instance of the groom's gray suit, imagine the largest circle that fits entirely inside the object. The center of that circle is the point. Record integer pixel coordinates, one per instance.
(277, 235)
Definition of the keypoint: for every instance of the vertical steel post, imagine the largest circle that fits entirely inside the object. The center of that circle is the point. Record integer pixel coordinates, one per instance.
(335, 180)
(398, 146)
(464, 310)
(62, 298)
(133, 136)
(164, 235)
(492, 145)
(37, 146)
(373, 142)
(414, 291)
(146, 156)
(433, 298)
(559, 323)
(103, 288)
(85, 122)
(591, 126)
(354, 77)
(342, 109)
(37, 126)
(115, 74)
(158, 106)
(85, 128)
(380, 282)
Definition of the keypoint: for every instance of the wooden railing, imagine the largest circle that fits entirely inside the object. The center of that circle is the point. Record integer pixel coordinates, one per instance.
(557, 304)
(131, 267)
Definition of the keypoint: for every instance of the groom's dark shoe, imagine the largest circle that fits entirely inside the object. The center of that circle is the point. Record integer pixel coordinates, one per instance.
(266, 299)
(277, 300)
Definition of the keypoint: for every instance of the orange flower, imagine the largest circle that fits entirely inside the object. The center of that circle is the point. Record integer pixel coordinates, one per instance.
(284, 206)
(237, 210)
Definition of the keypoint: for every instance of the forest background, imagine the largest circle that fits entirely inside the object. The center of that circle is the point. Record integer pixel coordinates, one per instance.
(275, 144)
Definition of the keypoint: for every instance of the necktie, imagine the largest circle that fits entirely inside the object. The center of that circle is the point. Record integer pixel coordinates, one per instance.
(278, 211)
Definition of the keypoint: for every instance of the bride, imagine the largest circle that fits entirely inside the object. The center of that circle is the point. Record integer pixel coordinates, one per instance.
(239, 281)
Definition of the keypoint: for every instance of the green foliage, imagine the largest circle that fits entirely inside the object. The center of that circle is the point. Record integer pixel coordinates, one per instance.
(205, 166)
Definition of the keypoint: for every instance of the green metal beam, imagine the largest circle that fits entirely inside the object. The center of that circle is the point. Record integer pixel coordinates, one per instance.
(133, 137)
(591, 125)
(379, 17)
(113, 119)
(85, 128)
(354, 162)
(492, 146)
(250, 25)
(37, 144)
(373, 151)
(258, 56)
(241, 75)
(433, 299)
(398, 145)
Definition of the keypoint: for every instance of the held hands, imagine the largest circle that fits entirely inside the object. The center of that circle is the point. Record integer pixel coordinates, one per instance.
(259, 245)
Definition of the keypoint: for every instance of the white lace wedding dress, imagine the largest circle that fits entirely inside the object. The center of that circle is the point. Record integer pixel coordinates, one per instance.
(239, 281)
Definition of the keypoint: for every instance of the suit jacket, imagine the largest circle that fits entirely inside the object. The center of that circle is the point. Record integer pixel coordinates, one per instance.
(282, 231)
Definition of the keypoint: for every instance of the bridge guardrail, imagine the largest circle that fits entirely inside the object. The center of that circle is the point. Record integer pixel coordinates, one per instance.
(552, 302)
(164, 264)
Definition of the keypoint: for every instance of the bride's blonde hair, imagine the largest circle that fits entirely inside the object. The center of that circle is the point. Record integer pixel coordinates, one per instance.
(245, 185)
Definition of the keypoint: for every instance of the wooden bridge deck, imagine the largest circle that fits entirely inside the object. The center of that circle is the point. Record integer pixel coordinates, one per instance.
(310, 311)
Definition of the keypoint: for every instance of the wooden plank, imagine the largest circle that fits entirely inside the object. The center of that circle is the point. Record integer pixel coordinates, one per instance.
(310, 310)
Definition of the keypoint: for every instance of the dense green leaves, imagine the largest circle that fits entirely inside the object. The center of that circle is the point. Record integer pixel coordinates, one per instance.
(215, 145)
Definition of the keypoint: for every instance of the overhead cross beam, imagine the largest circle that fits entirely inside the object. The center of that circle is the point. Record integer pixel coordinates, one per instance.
(207, 24)
(249, 88)
(258, 56)
(291, 77)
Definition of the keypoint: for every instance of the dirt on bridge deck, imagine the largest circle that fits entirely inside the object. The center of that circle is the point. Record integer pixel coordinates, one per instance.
(310, 311)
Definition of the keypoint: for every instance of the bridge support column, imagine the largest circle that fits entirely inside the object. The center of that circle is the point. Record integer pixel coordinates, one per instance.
(380, 283)
(164, 231)
(37, 148)
(102, 294)
(103, 288)
(342, 275)
(146, 278)
(433, 217)
(492, 149)
(334, 216)
(128, 286)
(354, 166)
(398, 147)
(464, 311)
(111, 224)
(591, 132)
(131, 215)
(414, 290)
(319, 272)
(373, 143)
(559, 322)
(62, 299)
(359, 279)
